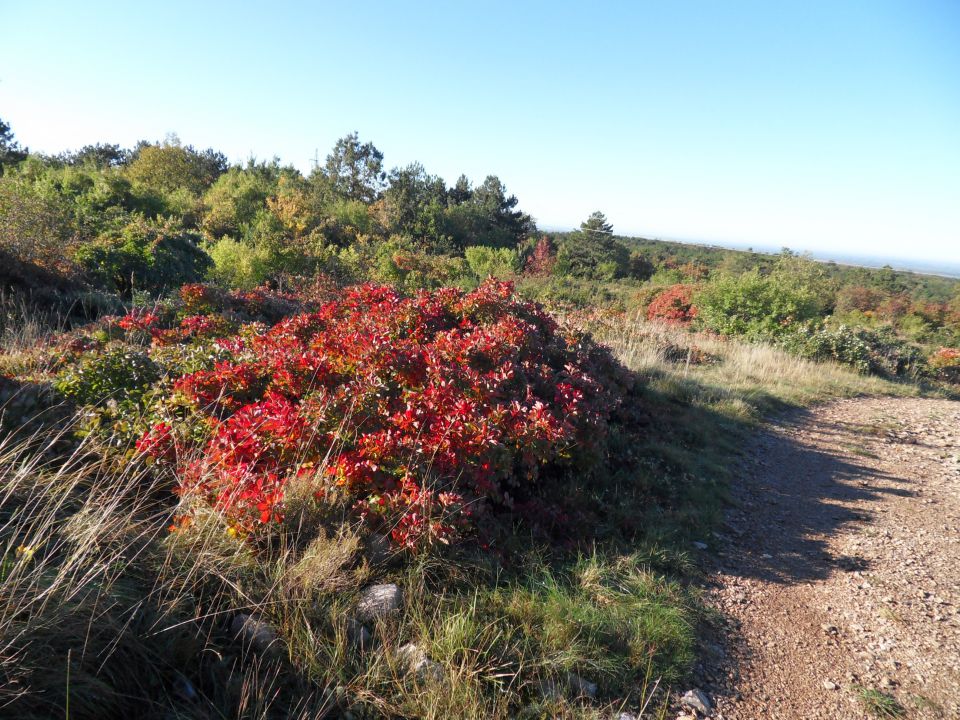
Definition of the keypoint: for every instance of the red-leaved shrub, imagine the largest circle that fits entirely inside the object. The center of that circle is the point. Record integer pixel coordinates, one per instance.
(542, 259)
(674, 305)
(428, 411)
(142, 320)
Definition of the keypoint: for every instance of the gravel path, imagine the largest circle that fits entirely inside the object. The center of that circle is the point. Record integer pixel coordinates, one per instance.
(838, 568)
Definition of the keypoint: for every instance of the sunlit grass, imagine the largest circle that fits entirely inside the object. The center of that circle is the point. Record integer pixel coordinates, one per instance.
(879, 704)
(742, 380)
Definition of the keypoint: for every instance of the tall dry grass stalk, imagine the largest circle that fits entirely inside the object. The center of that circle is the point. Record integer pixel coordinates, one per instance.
(24, 327)
(94, 587)
(69, 527)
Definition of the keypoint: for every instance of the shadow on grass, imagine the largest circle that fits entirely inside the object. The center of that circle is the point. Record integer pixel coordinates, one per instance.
(784, 503)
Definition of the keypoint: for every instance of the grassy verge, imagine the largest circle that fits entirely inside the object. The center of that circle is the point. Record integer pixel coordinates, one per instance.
(105, 612)
(740, 380)
(103, 609)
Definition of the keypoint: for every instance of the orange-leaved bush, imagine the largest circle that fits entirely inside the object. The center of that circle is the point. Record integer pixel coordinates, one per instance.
(674, 305)
(945, 363)
(428, 411)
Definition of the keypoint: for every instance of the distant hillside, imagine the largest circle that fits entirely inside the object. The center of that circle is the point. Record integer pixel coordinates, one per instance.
(922, 280)
(945, 268)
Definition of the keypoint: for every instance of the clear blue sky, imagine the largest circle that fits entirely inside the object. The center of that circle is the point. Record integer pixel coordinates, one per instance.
(818, 125)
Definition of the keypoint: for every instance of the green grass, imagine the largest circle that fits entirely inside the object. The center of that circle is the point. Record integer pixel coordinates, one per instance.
(858, 450)
(880, 704)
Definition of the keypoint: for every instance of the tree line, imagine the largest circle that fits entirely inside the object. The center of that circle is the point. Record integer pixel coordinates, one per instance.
(162, 213)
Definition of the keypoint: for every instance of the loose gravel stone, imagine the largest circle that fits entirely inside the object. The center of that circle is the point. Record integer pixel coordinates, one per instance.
(254, 632)
(696, 700)
(853, 571)
(378, 602)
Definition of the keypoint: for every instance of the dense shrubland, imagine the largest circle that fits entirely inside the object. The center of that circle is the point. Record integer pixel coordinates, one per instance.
(239, 390)
(426, 416)
(143, 221)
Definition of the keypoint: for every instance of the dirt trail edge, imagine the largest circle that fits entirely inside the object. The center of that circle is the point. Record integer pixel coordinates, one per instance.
(837, 571)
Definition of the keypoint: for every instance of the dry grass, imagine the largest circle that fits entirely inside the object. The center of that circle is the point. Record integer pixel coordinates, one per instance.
(65, 543)
(105, 613)
(744, 380)
(23, 327)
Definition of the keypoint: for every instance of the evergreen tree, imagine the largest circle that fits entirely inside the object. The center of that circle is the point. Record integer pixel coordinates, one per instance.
(592, 252)
(355, 170)
(596, 224)
(10, 151)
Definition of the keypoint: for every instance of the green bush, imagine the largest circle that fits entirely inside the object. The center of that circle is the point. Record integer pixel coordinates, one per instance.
(242, 265)
(757, 306)
(234, 200)
(843, 344)
(892, 356)
(354, 216)
(592, 255)
(564, 292)
(666, 276)
(487, 262)
(405, 263)
(121, 375)
(879, 352)
(145, 255)
(35, 227)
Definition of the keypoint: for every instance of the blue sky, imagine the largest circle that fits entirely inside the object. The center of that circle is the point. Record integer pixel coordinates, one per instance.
(829, 126)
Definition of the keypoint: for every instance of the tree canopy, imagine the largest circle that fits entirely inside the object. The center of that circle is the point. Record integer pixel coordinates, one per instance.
(596, 224)
(10, 151)
(592, 252)
(355, 170)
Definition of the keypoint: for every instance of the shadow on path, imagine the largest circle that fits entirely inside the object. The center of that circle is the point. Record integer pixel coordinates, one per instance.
(788, 499)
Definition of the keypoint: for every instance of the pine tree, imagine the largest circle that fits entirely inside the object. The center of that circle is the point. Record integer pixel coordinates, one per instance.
(596, 224)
